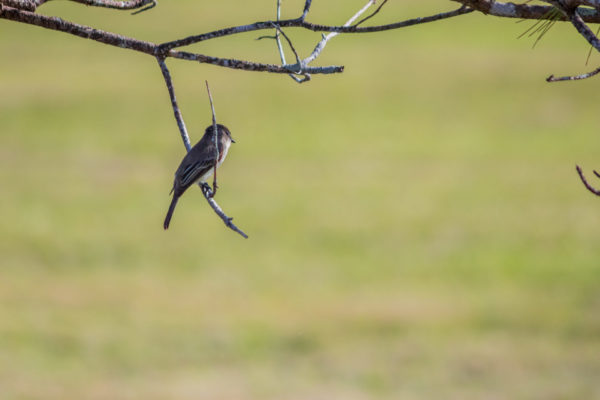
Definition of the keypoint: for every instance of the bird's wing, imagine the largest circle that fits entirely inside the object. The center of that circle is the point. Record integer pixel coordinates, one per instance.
(193, 171)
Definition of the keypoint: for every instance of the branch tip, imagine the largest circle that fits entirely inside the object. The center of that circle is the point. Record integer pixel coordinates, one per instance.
(585, 181)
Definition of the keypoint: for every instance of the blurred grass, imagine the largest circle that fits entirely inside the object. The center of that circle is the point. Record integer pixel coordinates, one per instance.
(417, 230)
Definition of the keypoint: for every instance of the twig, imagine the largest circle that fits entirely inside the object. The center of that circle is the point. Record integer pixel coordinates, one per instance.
(298, 61)
(587, 75)
(280, 47)
(278, 29)
(587, 60)
(306, 9)
(31, 5)
(206, 191)
(368, 17)
(583, 29)
(28, 5)
(321, 45)
(524, 11)
(586, 183)
(178, 116)
(299, 23)
(213, 204)
(215, 138)
(119, 5)
(152, 4)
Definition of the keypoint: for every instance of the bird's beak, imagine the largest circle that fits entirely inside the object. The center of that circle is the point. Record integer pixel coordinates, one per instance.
(232, 141)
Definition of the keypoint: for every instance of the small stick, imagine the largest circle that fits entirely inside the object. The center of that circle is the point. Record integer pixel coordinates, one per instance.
(372, 14)
(586, 183)
(216, 138)
(587, 75)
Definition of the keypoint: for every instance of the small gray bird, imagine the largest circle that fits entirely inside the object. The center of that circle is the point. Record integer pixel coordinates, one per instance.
(199, 163)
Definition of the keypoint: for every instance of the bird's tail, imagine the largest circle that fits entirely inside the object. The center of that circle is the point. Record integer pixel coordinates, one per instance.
(170, 212)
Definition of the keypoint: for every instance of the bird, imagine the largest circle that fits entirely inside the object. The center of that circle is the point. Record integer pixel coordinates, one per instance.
(199, 163)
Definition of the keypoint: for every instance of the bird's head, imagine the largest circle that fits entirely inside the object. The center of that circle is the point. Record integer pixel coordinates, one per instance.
(223, 132)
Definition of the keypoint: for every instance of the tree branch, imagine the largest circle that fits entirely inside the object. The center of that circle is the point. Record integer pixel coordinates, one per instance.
(32, 5)
(587, 75)
(300, 23)
(321, 45)
(524, 11)
(153, 49)
(165, 50)
(582, 28)
(28, 5)
(374, 13)
(115, 4)
(306, 9)
(586, 183)
(176, 111)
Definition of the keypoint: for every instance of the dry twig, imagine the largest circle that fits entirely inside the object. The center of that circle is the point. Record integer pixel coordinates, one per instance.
(215, 138)
(586, 183)
(587, 75)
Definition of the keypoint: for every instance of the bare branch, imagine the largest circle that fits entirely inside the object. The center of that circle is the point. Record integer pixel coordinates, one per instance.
(298, 23)
(152, 4)
(32, 5)
(368, 17)
(570, 12)
(587, 75)
(586, 183)
(213, 204)
(321, 45)
(306, 9)
(115, 4)
(280, 47)
(524, 11)
(279, 31)
(28, 5)
(166, 49)
(215, 138)
(578, 18)
(298, 64)
(113, 39)
(278, 40)
(396, 25)
(206, 191)
(251, 66)
(583, 29)
(176, 111)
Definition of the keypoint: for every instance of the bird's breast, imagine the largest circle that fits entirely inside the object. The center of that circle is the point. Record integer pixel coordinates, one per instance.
(220, 160)
(223, 155)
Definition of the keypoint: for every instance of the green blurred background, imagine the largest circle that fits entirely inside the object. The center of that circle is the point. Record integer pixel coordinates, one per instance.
(417, 229)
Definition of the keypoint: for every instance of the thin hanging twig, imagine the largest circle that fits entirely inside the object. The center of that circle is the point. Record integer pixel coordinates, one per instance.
(215, 138)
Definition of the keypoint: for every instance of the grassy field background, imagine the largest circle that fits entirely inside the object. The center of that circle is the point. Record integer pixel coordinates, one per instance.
(417, 229)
